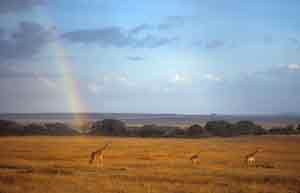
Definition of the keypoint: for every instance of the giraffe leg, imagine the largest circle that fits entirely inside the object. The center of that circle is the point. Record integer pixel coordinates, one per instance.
(98, 164)
(252, 162)
(101, 159)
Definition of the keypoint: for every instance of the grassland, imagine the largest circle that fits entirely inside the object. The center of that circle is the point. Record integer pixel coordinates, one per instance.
(137, 165)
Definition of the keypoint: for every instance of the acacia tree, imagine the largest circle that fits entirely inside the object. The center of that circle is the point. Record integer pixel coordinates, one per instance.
(298, 127)
(195, 130)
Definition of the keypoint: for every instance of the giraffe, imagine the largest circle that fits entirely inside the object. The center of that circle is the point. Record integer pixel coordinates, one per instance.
(194, 158)
(98, 155)
(250, 158)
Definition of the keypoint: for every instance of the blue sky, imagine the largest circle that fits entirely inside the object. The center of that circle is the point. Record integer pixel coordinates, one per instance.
(172, 56)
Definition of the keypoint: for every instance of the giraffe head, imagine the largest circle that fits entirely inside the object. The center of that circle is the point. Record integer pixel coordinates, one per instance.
(108, 144)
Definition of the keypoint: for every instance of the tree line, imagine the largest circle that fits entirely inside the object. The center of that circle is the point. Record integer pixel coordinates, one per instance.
(114, 127)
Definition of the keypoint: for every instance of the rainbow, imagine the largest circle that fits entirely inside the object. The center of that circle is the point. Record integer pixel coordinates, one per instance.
(75, 103)
(61, 58)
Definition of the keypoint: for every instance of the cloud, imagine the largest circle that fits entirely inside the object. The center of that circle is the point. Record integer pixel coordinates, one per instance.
(141, 36)
(42, 81)
(152, 41)
(295, 42)
(172, 22)
(140, 28)
(118, 37)
(288, 73)
(198, 43)
(104, 37)
(169, 23)
(113, 79)
(14, 71)
(111, 84)
(124, 80)
(46, 81)
(28, 40)
(2, 33)
(94, 87)
(135, 58)
(214, 44)
(268, 39)
(7, 6)
(212, 77)
(293, 66)
(180, 78)
(277, 83)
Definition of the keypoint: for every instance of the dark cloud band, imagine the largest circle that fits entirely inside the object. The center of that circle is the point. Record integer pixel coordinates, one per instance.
(7, 6)
(25, 42)
(117, 37)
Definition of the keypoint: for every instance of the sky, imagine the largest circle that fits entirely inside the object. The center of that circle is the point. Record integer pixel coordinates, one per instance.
(133, 56)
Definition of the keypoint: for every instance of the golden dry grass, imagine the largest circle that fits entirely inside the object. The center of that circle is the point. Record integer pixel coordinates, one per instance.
(136, 165)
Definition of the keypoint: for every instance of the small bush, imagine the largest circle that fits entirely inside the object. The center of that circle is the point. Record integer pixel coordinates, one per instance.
(195, 130)
(10, 128)
(109, 127)
(151, 131)
(35, 129)
(60, 129)
(298, 127)
(220, 128)
(173, 132)
(249, 128)
(288, 130)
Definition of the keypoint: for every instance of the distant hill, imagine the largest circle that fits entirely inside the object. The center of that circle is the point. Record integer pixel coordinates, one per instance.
(290, 114)
(161, 119)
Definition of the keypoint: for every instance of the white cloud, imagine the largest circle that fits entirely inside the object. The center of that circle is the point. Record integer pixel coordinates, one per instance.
(47, 82)
(293, 66)
(180, 78)
(213, 77)
(123, 79)
(13, 71)
(167, 89)
(94, 87)
(109, 81)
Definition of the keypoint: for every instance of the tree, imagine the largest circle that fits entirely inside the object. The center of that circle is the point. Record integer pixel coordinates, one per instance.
(287, 130)
(109, 127)
(195, 130)
(298, 127)
(151, 131)
(220, 128)
(10, 128)
(248, 128)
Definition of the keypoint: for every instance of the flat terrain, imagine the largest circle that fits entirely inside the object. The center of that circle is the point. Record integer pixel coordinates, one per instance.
(137, 165)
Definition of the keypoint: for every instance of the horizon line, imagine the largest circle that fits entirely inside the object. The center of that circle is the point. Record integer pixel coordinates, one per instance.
(151, 113)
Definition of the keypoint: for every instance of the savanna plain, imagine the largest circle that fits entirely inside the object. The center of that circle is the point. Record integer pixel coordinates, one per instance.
(43, 164)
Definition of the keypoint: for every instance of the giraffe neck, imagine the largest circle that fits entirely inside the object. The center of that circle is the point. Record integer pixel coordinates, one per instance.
(252, 154)
(102, 149)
